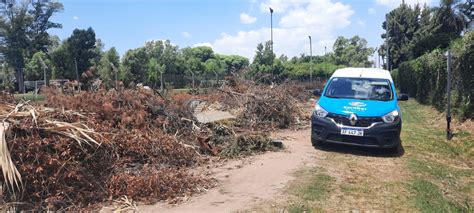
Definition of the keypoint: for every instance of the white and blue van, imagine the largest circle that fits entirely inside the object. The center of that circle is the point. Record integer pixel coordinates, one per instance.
(358, 106)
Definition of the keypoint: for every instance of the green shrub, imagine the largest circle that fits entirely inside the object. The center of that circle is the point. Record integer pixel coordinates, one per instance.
(425, 78)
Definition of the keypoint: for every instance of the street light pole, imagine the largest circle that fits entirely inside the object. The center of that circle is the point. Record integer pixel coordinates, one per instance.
(310, 60)
(271, 28)
(326, 61)
(386, 40)
(44, 70)
(378, 58)
(271, 34)
(375, 58)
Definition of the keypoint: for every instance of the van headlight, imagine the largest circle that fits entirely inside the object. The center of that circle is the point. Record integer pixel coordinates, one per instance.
(390, 117)
(319, 111)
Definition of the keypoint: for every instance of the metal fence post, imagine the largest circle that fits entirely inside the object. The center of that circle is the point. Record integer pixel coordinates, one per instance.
(448, 113)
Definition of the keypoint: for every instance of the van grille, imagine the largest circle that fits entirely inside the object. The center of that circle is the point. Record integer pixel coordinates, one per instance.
(361, 121)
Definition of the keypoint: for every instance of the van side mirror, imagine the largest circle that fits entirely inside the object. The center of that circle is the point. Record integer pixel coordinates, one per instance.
(317, 92)
(403, 97)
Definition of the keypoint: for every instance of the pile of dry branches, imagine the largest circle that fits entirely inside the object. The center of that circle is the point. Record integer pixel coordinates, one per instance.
(262, 107)
(94, 147)
(76, 150)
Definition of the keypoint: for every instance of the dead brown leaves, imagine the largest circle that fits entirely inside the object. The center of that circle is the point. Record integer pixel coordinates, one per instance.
(76, 150)
(93, 147)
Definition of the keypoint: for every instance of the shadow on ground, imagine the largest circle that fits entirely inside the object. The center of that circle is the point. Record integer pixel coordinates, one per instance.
(362, 151)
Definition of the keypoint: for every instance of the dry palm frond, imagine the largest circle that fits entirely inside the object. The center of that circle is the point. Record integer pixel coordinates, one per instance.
(10, 173)
(76, 131)
(21, 110)
(125, 205)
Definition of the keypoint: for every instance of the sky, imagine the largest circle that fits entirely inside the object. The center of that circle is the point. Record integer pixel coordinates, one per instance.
(228, 26)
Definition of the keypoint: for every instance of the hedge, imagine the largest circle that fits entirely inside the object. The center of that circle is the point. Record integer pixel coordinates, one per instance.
(425, 78)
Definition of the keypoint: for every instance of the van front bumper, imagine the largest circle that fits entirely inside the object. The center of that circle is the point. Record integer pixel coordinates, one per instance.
(380, 135)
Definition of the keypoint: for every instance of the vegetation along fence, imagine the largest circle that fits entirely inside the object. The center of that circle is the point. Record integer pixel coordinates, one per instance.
(425, 78)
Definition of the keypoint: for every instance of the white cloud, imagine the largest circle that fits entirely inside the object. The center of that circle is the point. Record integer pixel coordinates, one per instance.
(75, 17)
(186, 34)
(297, 21)
(360, 22)
(247, 19)
(396, 3)
(371, 11)
(206, 44)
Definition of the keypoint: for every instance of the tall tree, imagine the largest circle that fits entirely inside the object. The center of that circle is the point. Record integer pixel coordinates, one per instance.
(62, 63)
(81, 46)
(352, 52)
(448, 19)
(401, 25)
(34, 69)
(467, 10)
(24, 31)
(233, 63)
(422, 40)
(134, 66)
(264, 54)
(105, 69)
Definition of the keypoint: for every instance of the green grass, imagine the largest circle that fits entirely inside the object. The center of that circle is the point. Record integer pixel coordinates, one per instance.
(420, 136)
(295, 208)
(429, 198)
(316, 188)
(434, 162)
(29, 97)
(437, 170)
(311, 188)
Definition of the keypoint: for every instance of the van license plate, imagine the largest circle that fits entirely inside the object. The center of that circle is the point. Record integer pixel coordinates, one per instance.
(354, 132)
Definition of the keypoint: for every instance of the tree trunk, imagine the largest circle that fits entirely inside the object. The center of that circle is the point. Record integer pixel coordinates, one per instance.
(19, 79)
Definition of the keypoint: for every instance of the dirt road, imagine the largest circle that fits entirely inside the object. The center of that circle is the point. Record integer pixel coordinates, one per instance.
(243, 183)
(261, 182)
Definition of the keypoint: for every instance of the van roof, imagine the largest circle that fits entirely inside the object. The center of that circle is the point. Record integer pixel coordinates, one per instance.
(363, 73)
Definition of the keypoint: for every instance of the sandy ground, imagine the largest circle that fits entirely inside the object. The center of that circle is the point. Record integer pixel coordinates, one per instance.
(247, 182)
(258, 183)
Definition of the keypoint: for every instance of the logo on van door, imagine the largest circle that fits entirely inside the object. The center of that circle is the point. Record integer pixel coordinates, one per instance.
(357, 104)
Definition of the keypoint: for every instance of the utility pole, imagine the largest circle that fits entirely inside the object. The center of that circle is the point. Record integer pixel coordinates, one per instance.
(271, 35)
(115, 72)
(44, 70)
(326, 61)
(310, 60)
(162, 70)
(21, 81)
(448, 113)
(375, 58)
(192, 73)
(378, 58)
(386, 40)
(77, 75)
(271, 28)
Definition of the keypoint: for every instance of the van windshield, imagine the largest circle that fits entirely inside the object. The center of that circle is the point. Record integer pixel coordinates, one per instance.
(360, 88)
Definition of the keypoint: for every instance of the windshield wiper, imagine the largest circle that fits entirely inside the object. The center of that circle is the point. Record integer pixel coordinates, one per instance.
(334, 97)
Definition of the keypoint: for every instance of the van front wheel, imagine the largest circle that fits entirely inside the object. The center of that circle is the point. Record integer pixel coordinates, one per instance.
(316, 143)
(397, 150)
